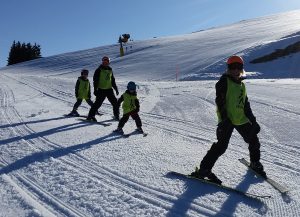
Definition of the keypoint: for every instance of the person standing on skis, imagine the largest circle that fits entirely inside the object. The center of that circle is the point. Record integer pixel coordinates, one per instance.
(104, 83)
(234, 112)
(82, 92)
(131, 107)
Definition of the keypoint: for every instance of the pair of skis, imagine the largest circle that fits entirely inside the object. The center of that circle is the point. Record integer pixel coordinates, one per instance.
(276, 185)
(84, 118)
(126, 135)
(95, 122)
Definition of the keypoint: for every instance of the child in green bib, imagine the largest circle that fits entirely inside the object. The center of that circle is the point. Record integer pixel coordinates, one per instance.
(82, 92)
(131, 108)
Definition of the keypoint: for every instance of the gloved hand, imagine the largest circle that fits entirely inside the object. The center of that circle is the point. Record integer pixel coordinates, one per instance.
(224, 123)
(135, 111)
(95, 92)
(255, 127)
(117, 92)
(132, 112)
(224, 127)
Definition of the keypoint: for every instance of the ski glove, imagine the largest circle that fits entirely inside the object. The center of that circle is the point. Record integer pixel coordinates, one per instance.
(117, 92)
(255, 128)
(95, 92)
(225, 123)
(223, 129)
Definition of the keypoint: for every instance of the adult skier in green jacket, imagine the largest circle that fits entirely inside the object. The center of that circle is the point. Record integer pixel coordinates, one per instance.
(234, 112)
(82, 91)
(104, 83)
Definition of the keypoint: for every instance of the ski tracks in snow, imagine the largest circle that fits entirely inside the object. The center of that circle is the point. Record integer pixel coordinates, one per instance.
(32, 192)
(126, 192)
(49, 204)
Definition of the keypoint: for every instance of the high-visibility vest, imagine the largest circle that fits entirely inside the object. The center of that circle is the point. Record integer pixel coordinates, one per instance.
(235, 103)
(83, 90)
(105, 79)
(128, 103)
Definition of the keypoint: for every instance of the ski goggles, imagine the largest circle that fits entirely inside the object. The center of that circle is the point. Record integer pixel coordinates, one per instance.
(237, 66)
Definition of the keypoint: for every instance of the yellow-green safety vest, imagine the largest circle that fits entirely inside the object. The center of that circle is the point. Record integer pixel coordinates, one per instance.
(105, 79)
(83, 90)
(128, 103)
(235, 103)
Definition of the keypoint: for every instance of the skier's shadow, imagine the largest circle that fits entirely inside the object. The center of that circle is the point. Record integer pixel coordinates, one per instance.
(48, 132)
(195, 190)
(32, 122)
(55, 153)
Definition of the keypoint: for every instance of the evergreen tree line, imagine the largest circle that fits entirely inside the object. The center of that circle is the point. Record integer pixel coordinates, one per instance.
(23, 52)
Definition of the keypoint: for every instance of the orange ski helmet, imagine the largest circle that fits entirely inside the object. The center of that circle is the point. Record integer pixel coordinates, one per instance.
(235, 59)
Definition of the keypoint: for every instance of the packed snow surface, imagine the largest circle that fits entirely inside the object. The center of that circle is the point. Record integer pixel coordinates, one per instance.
(51, 165)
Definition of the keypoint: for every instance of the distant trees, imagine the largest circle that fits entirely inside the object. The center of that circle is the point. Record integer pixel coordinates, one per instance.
(293, 48)
(23, 52)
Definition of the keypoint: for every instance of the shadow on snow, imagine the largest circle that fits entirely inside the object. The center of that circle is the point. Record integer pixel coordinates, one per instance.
(55, 153)
(196, 189)
(31, 122)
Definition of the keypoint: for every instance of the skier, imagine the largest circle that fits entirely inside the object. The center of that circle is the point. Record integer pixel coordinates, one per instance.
(234, 112)
(131, 107)
(104, 83)
(82, 92)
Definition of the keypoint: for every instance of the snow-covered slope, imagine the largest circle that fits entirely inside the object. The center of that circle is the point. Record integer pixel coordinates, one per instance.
(195, 56)
(56, 166)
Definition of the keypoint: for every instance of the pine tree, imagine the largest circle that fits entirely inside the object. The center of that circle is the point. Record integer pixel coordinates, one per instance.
(11, 55)
(23, 52)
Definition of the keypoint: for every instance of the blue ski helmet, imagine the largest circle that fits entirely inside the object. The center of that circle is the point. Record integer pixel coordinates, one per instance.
(131, 86)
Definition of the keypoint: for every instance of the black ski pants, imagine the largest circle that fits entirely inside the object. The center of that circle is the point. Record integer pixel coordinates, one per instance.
(223, 136)
(100, 97)
(135, 116)
(79, 101)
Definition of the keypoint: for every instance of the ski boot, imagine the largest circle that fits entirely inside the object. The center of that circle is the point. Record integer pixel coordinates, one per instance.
(74, 113)
(119, 130)
(258, 167)
(91, 119)
(207, 175)
(139, 130)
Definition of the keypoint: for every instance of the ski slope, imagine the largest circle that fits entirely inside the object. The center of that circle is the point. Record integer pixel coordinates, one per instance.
(51, 165)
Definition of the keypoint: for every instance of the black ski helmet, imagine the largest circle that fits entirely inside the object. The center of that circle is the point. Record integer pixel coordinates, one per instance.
(84, 72)
(106, 58)
(131, 86)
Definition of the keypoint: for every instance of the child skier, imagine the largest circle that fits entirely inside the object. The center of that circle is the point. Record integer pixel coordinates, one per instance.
(234, 112)
(82, 91)
(131, 107)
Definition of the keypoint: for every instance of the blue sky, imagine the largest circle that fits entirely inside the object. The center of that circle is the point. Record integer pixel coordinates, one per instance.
(61, 26)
